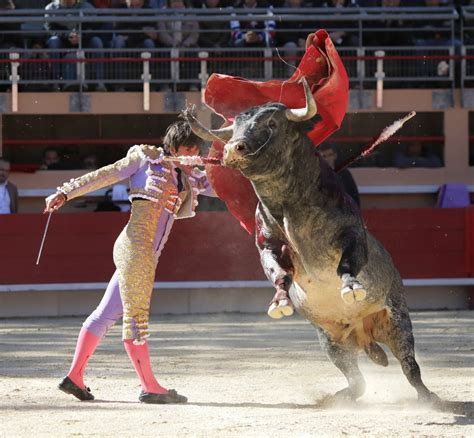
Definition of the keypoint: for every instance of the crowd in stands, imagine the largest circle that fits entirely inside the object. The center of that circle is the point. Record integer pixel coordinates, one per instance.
(185, 34)
(289, 36)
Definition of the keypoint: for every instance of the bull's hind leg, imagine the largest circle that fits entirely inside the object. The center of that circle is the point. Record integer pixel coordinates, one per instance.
(346, 360)
(395, 330)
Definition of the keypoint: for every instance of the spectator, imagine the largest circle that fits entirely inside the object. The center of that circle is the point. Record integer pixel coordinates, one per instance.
(252, 33)
(64, 35)
(435, 33)
(107, 28)
(341, 37)
(120, 193)
(176, 33)
(330, 155)
(10, 32)
(338, 3)
(104, 4)
(416, 155)
(9, 39)
(183, 35)
(8, 191)
(107, 203)
(394, 33)
(52, 160)
(135, 34)
(90, 162)
(213, 33)
(291, 36)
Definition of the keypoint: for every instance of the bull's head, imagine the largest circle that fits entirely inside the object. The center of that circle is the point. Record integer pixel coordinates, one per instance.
(257, 135)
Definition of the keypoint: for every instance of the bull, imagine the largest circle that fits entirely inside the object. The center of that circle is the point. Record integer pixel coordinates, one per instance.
(311, 237)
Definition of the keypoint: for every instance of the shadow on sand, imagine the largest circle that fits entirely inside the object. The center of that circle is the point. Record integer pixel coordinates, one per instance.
(464, 410)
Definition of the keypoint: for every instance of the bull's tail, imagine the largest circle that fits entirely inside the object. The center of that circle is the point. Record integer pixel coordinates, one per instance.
(376, 353)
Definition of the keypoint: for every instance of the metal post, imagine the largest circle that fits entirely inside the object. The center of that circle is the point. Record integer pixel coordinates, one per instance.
(360, 66)
(204, 75)
(268, 64)
(1, 135)
(81, 67)
(463, 73)
(174, 67)
(452, 72)
(14, 78)
(146, 77)
(360, 74)
(79, 30)
(379, 75)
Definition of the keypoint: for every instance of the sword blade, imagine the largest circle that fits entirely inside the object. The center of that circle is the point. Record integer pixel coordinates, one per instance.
(44, 237)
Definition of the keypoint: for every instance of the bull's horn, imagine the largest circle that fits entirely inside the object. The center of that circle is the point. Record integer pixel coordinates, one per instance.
(223, 134)
(303, 114)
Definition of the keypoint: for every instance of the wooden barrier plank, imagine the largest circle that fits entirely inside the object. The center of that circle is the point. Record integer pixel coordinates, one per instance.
(424, 243)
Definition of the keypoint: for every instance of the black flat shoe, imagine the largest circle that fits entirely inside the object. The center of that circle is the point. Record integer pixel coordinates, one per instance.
(162, 399)
(69, 387)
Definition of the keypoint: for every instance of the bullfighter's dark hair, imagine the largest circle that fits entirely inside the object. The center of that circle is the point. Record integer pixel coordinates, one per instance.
(180, 134)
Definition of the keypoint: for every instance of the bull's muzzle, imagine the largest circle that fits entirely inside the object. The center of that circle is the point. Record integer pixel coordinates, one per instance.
(234, 152)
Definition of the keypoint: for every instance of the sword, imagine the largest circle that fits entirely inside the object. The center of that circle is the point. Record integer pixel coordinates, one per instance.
(44, 237)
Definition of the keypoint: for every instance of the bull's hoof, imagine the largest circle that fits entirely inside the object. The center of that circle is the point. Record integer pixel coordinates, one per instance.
(274, 312)
(352, 290)
(429, 398)
(286, 307)
(283, 308)
(359, 293)
(347, 295)
(345, 395)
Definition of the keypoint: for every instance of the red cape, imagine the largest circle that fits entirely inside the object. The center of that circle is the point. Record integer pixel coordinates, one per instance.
(228, 96)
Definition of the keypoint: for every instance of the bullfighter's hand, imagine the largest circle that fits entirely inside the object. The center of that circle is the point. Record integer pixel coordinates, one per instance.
(54, 201)
(280, 305)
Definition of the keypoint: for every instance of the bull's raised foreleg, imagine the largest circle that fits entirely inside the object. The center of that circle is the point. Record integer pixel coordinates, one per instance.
(354, 257)
(280, 304)
(395, 330)
(345, 359)
(276, 263)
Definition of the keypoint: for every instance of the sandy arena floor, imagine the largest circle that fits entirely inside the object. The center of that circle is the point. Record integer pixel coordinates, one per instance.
(244, 375)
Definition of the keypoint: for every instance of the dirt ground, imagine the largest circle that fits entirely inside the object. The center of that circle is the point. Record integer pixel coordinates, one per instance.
(244, 375)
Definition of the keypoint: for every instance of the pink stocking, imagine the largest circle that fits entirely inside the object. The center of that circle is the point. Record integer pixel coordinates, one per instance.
(86, 345)
(140, 358)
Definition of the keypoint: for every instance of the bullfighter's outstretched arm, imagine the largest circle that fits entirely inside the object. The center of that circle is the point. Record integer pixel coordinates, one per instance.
(277, 265)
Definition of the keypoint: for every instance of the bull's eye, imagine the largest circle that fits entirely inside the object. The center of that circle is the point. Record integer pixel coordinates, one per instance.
(272, 124)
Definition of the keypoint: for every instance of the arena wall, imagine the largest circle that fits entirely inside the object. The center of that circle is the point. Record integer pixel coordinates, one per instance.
(211, 264)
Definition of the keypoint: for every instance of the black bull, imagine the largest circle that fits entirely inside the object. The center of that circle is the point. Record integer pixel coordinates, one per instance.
(310, 235)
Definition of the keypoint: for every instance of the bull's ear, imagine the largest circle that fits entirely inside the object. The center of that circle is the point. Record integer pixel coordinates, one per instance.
(223, 134)
(306, 113)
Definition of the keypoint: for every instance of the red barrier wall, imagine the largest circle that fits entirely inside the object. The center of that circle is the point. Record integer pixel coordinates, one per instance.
(424, 243)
